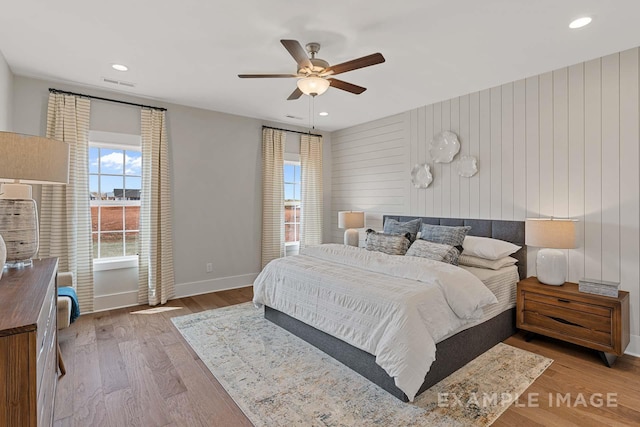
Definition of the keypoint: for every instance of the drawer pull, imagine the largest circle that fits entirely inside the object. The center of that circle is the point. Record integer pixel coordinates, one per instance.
(566, 322)
(563, 300)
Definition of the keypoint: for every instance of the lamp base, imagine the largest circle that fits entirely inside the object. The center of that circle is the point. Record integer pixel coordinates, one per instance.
(19, 229)
(352, 237)
(551, 267)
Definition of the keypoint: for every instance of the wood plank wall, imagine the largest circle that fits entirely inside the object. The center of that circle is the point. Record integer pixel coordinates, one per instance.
(563, 143)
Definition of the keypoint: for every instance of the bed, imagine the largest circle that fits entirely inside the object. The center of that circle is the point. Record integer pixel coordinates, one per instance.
(453, 351)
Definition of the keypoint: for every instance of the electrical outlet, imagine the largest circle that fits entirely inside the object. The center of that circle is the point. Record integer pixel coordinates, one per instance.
(209, 267)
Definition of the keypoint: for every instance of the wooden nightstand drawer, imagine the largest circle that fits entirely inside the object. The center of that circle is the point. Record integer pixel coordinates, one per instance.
(567, 304)
(574, 328)
(565, 313)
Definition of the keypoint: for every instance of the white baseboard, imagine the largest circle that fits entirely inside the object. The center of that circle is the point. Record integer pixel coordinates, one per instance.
(113, 301)
(130, 298)
(634, 346)
(214, 285)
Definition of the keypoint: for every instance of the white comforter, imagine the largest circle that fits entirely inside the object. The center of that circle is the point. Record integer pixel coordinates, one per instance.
(394, 307)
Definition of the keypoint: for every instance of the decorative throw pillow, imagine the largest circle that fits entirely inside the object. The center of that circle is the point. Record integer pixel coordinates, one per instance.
(473, 261)
(391, 226)
(488, 248)
(391, 244)
(434, 251)
(446, 235)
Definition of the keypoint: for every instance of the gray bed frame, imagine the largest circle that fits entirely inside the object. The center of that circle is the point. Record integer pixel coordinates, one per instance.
(452, 353)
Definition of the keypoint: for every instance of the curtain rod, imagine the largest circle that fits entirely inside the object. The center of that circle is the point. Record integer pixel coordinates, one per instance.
(51, 90)
(293, 131)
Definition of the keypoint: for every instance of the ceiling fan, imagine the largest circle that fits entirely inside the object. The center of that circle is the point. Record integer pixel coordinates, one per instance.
(314, 73)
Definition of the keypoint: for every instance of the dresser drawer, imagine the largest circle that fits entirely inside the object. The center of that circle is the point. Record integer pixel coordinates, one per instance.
(47, 387)
(46, 330)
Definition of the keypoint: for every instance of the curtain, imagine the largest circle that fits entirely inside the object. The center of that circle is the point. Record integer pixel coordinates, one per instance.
(311, 209)
(272, 194)
(156, 282)
(65, 214)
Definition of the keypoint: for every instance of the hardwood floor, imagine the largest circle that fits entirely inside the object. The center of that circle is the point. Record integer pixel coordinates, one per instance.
(131, 367)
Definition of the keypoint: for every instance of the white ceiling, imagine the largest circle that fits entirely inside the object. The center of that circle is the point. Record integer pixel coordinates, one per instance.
(190, 51)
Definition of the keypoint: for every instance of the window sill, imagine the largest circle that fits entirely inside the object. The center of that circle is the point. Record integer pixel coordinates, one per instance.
(115, 263)
(292, 243)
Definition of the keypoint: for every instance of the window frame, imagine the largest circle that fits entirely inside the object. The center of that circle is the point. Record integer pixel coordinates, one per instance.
(114, 141)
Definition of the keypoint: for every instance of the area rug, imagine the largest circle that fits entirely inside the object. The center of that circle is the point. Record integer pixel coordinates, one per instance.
(277, 379)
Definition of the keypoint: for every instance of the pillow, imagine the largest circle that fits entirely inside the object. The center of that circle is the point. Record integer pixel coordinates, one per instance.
(473, 261)
(488, 248)
(391, 244)
(434, 251)
(453, 236)
(391, 226)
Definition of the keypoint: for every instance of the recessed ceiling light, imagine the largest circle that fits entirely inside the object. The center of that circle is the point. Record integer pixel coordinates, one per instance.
(119, 67)
(580, 22)
(323, 114)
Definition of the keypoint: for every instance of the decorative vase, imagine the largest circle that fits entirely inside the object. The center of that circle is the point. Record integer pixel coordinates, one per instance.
(3, 255)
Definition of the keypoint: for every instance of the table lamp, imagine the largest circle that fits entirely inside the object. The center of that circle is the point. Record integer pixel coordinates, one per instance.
(351, 220)
(25, 160)
(551, 234)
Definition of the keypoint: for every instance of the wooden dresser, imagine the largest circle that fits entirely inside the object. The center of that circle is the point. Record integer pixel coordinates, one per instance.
(28, 344)
(563, 312)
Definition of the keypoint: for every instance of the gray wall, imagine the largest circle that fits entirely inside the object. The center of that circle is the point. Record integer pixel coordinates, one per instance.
(563, 144)
(6, 94)
(216, 178)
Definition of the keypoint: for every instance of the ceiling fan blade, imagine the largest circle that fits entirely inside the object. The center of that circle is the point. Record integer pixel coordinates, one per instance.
(297, 51)
(295, 94)
(354, 64)
(265, 76)
(349, 87)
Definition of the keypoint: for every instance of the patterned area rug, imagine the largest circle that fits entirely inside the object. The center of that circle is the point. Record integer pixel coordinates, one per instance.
(277, 379)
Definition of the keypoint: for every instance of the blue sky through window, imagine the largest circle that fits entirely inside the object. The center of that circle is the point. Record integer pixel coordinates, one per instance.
(292, 181)
(112, 168)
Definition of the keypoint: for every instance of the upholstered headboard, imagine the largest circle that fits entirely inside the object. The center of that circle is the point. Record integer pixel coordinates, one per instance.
(510, 231)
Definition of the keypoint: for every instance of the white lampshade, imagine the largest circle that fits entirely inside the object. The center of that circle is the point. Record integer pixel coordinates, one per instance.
(550, 233)
(33, 159)
(350, 219)
(313, 85)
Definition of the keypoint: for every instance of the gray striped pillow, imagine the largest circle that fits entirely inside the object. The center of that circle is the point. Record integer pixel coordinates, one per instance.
(391, 226)
(446, 235)
(435, 251)
(391, 244)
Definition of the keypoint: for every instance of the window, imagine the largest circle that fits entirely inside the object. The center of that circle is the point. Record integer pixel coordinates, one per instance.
(115, 181)
(292, 199)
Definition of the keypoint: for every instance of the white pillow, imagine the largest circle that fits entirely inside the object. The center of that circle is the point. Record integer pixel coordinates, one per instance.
(488, 248)
(474, 261)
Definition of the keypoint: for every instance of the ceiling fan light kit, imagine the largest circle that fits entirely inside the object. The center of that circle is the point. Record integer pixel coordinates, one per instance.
(313, 86)
(315, 75)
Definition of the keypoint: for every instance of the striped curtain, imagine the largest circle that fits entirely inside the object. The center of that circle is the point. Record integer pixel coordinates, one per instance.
(272, 194)
(156, 282)
(65, 214)
(311, 210)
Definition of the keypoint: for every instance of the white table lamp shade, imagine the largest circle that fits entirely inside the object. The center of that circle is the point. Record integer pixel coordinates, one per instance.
(351, 220)
(551, 235)
(33, 159)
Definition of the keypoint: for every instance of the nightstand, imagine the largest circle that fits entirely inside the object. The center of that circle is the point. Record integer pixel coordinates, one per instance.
(594, 321)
